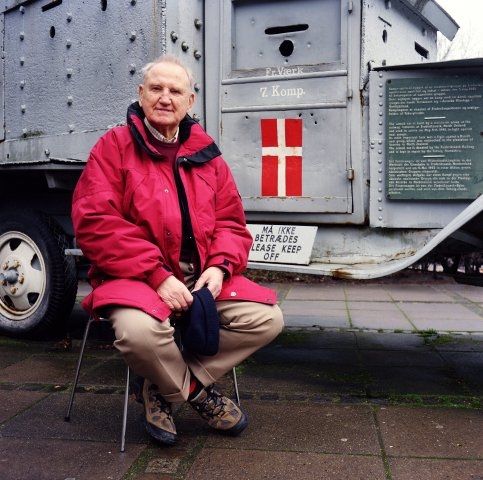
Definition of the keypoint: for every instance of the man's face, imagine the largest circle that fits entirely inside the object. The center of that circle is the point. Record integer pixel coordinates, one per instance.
(165, 97)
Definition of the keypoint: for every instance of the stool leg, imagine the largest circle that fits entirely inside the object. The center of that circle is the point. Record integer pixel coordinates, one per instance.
(77, 372)
(235, 384)
(124, 413)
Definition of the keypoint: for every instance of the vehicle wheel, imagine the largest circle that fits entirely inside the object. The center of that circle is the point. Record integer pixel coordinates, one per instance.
(38, 282)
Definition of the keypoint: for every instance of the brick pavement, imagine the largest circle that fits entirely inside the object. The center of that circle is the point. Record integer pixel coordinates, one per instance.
(334, 401)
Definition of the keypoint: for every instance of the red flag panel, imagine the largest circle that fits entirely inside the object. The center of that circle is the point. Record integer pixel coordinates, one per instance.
(269, 176)
(293, 176)
(269, 132)
(293, 132)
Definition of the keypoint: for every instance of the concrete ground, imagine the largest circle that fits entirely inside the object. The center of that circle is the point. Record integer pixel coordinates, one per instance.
(379, 380)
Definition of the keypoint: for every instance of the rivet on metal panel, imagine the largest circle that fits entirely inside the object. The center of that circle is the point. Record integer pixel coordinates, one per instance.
(380, 170)
(380, 219)
(380, 160)
(379, 180)
(70, 71)
(132, 69)
(380, 122)
(174, 36)
(380, 132)
(23, 108)
(24, 132)
(70, 100)
(22, 35)
(373, 146)
(184, 46)
(22, 60)
(381, 85)
(380, 209)
(22, 84)
(380, 74)
(132, 36)
(69, 17)
(68, 43)
(381, 114)
(372, 142)
(22, 9)
(379, 199)
(71, 127)
(47, 152)
(380, 104)
(196, 86)
(379, 190)
(379, 142)
(381, 94)
(197, 54)
(379, 152)
(198, 23)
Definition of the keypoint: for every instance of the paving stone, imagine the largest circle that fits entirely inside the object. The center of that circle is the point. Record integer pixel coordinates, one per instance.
(429, 432)
(418, 293)
(312, 308)
(433, 469)
(390, 341)
(412, 380)
(472, 293)
(371, 293)
(316, 292)
(43, 369)
(459, 343)
(310, 339)
(13, 402)
(94, 417)
(436, 311)
(329, 319)
(305, 428)
(449, 325)
(401, 358)
(382, 307)
(258, 465)
(58, 459)
(380, 320)
(302, 379)
(111, 372)
(10, 358)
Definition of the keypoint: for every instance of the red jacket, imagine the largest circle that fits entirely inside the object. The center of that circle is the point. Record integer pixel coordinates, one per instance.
(127, 218)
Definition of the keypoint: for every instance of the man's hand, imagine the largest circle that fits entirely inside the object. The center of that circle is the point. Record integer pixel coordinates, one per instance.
(212, 277)
(175, 294)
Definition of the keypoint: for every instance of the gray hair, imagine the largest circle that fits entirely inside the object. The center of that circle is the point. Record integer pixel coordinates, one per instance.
(167, 58)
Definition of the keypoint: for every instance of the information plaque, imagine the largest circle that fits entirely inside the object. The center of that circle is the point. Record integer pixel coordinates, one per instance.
(434, 143)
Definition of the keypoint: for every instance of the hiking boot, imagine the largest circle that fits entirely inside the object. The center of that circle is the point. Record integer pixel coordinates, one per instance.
(158, 418)
(219, 411)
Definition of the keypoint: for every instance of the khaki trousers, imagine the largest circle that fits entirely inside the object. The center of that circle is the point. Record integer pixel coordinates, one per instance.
(149, 349)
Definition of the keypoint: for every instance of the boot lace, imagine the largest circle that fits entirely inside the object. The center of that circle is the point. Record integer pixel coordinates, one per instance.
(212, 406)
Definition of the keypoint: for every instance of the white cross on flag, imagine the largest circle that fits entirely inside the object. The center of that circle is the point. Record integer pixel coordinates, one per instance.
(281, 157)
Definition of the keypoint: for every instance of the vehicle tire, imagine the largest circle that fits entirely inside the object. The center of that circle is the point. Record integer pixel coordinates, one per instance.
(38, 283)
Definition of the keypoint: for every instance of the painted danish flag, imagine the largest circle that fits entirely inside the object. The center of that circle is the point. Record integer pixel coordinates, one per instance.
(281, 157)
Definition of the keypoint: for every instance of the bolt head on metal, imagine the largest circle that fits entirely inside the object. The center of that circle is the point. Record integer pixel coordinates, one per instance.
(22, 84)
(69, 72)
(69, 17)
(70, 100)
(23, 108)
(174, 36)
(22, 60)
(47, 152)
(132, 68)
(184, 46)
(68, 43)
(22, 9)
(24, 132)
(380, 219)
(132, 36)
(197, 54)
(22, 35)
(71, 127)
(198, 23)
(196, 86)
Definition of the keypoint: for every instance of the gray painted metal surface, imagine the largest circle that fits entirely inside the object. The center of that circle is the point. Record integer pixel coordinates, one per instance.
(70, 72)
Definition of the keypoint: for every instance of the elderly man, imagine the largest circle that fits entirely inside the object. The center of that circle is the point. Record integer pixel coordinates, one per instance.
(158, 214)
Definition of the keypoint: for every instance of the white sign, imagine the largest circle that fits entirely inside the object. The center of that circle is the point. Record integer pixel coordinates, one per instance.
(282, 243)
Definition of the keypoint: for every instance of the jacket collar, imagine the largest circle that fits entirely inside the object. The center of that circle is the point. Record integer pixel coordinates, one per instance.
(195, 144)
